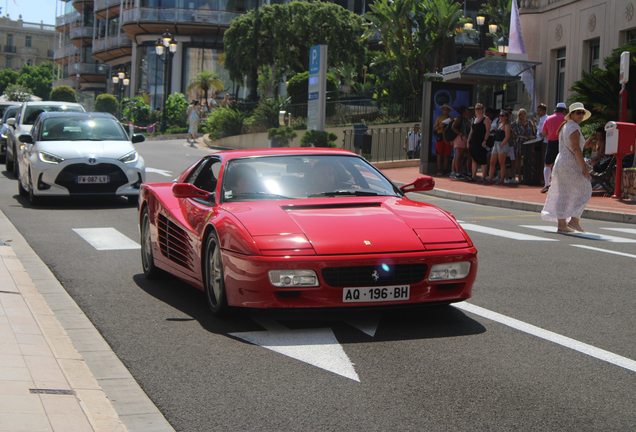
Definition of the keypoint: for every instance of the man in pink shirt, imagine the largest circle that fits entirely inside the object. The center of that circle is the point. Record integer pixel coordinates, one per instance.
(550, 128)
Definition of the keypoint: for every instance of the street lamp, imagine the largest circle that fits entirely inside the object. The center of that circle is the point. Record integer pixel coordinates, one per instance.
(165, 47)
(122, 81)
(502, 44)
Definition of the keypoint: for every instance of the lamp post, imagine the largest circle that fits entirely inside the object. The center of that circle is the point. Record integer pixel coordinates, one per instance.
(122, 81)
(166, 46)
(480, 23)
(502, 44)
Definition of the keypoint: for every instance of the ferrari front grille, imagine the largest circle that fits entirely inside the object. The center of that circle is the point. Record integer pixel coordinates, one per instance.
(173, 241)
(374, 275)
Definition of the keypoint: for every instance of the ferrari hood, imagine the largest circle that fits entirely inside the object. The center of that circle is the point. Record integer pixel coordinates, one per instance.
(334, 228)
(82, 149)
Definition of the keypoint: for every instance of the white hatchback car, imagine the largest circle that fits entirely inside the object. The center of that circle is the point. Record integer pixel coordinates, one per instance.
(79, 154)
(23, 122)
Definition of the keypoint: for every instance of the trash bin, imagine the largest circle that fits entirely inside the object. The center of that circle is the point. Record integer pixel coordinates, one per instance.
(366, 144)
(532, 159)
(359, 129)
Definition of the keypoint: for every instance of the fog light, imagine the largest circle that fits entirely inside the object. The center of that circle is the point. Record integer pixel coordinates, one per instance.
(449, 271)
(293, 278)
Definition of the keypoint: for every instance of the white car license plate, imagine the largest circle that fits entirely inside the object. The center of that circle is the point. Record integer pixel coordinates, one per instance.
(376, 294)
(93, 179)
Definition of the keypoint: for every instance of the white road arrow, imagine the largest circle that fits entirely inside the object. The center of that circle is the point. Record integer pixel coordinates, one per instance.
(317, 347)
(160, 172)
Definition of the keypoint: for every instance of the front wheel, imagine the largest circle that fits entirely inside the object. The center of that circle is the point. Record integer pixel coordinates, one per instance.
(214, 280)
(147, 260)
(21, 190)
(33, 198)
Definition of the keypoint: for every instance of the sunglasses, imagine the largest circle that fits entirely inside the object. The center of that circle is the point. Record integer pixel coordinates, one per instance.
(579, 112)
(479, 108)
(503, 115)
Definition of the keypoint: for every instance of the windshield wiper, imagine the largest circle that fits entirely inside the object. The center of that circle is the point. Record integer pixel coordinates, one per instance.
(342, 192)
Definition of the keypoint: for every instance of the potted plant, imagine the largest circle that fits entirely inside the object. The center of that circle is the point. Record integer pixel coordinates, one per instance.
(314, 138)
(281, 136)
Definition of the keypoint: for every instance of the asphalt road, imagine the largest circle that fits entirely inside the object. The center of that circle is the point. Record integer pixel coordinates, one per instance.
(546, 342)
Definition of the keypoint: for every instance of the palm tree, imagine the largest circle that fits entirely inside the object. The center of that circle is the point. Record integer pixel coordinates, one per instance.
(205, 80)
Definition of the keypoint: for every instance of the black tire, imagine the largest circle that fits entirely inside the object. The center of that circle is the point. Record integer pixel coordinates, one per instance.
(8, 163)
(147, 260)
(21, 190)
(213, 277)
(33, 198)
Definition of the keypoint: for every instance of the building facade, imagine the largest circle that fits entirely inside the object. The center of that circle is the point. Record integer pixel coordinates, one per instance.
(568, 36)
(24, 43)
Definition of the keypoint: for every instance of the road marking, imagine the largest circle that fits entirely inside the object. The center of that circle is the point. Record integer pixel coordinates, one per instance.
(367, 324)
(606, 251)
(106, 238)
(503, 233)
(567, 342)
(159, 171)
(625, 230)
(587, 235)
(317, 347)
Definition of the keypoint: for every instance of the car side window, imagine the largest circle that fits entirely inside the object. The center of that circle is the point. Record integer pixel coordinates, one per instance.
(208, 175)
(35, 130)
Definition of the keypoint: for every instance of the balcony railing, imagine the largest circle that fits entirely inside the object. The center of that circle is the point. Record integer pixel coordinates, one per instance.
(103, 4)
(67, 19)
(65, 81)
(387, 144)
(81, 32)
(83, 68)
(111, 42)
(179, 16)
(66, 51)
(37, 26)
(9, 49)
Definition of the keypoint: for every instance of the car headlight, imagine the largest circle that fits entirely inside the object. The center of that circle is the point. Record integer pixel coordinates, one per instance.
(49, 158)
(449, 271)
(293, 278)
(129, 158)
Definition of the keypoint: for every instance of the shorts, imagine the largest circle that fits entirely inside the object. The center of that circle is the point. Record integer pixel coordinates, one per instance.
(551, 152)
(497, 149)
(443, 148)
(459, 142)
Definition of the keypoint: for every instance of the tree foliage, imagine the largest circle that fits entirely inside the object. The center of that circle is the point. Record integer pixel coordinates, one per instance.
(176, 110)
(17, 93)
(598, 90)
(204, 81)
(106, 103)
(64, 93)
(282, 36)
(37, 78)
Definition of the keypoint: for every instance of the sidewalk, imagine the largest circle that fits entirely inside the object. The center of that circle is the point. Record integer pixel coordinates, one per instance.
(515, 196)
(56, 371)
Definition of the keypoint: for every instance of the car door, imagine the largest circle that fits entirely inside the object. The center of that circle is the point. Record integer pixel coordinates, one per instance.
(24, 152)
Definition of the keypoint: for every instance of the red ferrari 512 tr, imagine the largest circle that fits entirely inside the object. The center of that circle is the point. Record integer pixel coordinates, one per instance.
(302, 228)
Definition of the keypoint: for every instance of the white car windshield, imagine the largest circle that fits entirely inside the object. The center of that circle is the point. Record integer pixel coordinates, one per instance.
(82, 129)
(295, 177)
(32, 112)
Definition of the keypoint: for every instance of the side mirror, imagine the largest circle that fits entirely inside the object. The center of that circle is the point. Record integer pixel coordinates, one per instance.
(11, 122)
(425, 183)
(137, 138)
(187, 190)
(26, 139)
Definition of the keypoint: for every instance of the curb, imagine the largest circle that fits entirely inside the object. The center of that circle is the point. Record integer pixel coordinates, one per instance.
(116, 402)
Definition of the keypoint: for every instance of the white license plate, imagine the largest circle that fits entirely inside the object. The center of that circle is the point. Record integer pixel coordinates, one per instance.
(376, 294)
(93, 179)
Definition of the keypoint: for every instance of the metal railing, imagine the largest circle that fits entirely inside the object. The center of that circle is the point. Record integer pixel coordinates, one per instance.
(9, 48)
(179, 16)
(81, 32)
(67, 19)
(111, 42)
(356, 110)
(387, 143)
(103, 4)
(66, 51)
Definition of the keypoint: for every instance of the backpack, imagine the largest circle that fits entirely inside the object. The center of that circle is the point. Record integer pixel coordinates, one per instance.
(449, 133)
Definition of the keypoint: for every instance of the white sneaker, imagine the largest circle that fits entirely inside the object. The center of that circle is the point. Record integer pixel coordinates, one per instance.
(513, 181)
(598, 187)
(453, 174)
(496, 179)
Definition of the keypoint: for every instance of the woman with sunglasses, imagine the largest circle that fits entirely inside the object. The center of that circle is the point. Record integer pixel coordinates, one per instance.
(500, 150)
(571, 188)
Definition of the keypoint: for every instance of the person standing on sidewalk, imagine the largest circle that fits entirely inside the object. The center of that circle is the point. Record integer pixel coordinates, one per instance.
(501, 148)
(477, 142)
(571, 188)
(413, 140)
(461, 126)
(443, 148)
(194, 117)
(523, 129)
(550, 128)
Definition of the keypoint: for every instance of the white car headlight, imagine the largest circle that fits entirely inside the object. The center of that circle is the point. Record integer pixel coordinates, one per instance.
(129, 158)
(49, 158)
(449, 271)
(293, 278)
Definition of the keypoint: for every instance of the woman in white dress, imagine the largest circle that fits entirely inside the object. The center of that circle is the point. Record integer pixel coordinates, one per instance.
(571, 188)
(194, 117)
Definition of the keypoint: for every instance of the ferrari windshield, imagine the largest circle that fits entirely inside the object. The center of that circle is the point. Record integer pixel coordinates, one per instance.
(82, 129)
(307, 176)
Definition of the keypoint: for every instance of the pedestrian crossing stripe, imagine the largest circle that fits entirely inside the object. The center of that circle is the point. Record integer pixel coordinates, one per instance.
(623, 230)
(106, 239)
(503, 233)
(587, 235)
(606, 251)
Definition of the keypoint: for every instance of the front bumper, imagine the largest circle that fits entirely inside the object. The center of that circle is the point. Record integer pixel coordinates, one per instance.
(247, 283)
